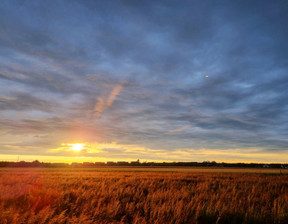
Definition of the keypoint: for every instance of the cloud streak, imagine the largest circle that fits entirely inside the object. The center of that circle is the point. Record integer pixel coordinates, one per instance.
(179, 129)
(103, 104)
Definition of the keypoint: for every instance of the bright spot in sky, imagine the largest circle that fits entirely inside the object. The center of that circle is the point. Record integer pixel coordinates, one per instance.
(206, 76)
(77, 147)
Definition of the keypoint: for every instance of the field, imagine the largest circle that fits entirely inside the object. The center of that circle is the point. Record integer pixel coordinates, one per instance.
(143, 195)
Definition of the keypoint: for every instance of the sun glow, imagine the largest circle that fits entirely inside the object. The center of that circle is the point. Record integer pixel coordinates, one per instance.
(77, 147)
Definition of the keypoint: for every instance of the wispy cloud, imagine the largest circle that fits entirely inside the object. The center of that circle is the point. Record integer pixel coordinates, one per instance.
(115, 92)
(179, 129)
(103, 104)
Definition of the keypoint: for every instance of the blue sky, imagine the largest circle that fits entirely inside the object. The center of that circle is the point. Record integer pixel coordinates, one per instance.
(154, 80)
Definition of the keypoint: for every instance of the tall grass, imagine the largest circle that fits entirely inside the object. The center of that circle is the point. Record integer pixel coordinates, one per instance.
(75, 196)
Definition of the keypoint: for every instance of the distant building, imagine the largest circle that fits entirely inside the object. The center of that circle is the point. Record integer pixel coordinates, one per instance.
(122, 163)
(76, 164)
(266, 166)
(88, 164)
(135, 163)
(59, 165)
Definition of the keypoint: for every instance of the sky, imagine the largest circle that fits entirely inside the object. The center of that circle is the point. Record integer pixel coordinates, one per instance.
(163, 80)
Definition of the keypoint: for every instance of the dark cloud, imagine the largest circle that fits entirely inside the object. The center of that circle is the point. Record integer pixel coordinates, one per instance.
(24, 101)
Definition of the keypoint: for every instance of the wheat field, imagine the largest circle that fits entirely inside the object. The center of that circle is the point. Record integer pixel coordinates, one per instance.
(33, 195)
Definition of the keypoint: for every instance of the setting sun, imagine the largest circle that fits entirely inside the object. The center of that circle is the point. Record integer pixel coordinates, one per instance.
(77, 147)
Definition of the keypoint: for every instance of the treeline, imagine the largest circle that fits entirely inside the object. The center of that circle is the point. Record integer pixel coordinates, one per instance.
(36, 163)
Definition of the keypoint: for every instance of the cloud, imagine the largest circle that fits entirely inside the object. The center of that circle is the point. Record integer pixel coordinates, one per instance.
(24, 101)
(179, 129)
(115, 92)
(103, 104)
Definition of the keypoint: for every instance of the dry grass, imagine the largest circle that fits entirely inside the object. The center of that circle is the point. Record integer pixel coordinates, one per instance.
(95, 196)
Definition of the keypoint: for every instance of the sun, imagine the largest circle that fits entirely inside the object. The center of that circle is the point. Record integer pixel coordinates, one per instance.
(77, 147)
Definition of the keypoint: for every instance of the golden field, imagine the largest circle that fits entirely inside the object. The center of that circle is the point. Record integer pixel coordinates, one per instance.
(143, 195)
